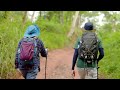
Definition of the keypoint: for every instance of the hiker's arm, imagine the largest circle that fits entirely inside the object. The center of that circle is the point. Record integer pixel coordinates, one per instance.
(16, 56)
(74, 58)
(101, 51)
(42, 49)
(75, 53)
(101, 55)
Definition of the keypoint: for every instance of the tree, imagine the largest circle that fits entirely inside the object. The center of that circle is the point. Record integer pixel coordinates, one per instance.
(32, 16)
(73, 24)
(62, 17)
(78, 21)
(5, 14)
(40, 13)
(24, 17)
(112, 19)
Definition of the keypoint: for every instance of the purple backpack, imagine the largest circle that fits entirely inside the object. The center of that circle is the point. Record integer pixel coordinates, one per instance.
(28, 49)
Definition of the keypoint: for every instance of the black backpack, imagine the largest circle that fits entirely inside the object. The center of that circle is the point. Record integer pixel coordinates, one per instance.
(88, 48)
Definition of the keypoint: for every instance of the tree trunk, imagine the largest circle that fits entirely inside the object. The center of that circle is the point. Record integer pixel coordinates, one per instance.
(78, 21)
(113, 26)
(5, 14)
(40, 13)
(44, 15)
(24, 18)
(62, 17)
(73, 24)
(32, 18)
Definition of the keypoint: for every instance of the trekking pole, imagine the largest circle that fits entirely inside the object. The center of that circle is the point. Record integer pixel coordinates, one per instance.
(97, 72)
(45, 67)
(46, 63)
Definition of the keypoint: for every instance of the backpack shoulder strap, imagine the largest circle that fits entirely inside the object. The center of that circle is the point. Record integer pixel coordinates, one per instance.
(25, 38)
(96, 37)
(81, 39)
(35, 41)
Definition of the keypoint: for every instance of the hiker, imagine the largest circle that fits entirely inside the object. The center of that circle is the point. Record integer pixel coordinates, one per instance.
(27, 60)
(86, 53)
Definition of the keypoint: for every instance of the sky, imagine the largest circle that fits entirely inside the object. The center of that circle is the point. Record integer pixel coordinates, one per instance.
(100, 17)
(35, 16)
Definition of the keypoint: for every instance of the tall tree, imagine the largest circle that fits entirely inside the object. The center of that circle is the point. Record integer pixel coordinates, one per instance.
(62, 17)
(5, 14)
(32, 17)
(40, 13)
(24, 17)
(112, 19)
(73, 24)
(78, 20)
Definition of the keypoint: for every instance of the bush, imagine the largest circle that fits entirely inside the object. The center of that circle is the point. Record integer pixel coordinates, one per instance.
(110, 65)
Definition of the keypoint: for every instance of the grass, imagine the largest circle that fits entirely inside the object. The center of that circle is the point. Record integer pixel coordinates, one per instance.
(110, 65)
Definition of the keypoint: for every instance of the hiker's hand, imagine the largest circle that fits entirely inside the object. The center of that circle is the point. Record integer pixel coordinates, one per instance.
(46, 50)
(73, 73)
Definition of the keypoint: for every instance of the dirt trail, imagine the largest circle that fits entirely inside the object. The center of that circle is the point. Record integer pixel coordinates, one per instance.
(59, 64)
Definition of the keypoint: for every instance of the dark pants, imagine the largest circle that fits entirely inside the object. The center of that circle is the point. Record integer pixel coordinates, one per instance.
(30, 74)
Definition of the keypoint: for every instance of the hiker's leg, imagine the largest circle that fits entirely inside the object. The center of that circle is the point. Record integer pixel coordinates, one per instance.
(92, 73)
(32, 73)
(95, 74)
(23, 72)
(82, 73)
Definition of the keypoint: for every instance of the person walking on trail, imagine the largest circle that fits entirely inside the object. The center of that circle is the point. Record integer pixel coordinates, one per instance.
(27, 60)
(86, 53)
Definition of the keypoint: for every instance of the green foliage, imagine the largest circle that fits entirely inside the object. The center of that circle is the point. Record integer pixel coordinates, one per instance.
(53, 34)
(110, 65)
(10, 33)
